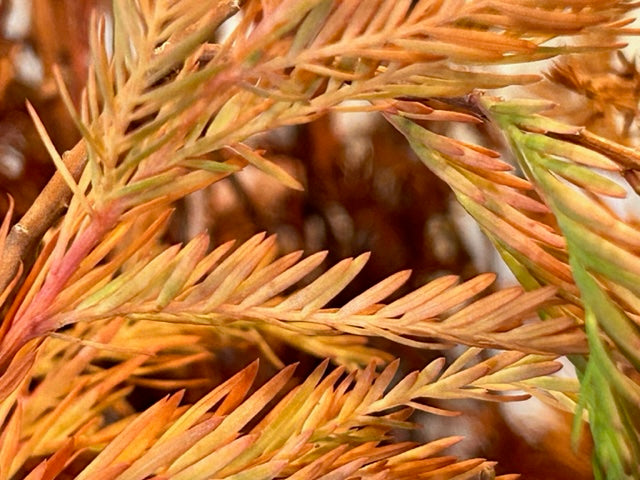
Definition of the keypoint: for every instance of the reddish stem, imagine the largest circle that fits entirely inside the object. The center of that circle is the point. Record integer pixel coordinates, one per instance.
(34, 321)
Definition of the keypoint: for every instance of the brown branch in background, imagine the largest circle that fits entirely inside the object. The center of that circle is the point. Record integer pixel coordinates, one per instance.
(45, 210)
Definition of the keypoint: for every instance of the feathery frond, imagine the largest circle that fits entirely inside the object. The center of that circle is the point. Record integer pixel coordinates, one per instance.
(604, 260)
(330, 423)
(245, 291)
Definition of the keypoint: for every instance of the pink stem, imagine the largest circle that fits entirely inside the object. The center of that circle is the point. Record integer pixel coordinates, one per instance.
(34, 320)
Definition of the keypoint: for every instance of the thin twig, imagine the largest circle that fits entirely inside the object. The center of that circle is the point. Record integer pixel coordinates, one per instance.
(46, 209)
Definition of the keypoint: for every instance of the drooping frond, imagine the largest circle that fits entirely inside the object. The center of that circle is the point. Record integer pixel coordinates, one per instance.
(599, 255)
(603, 252)
(514, 219)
